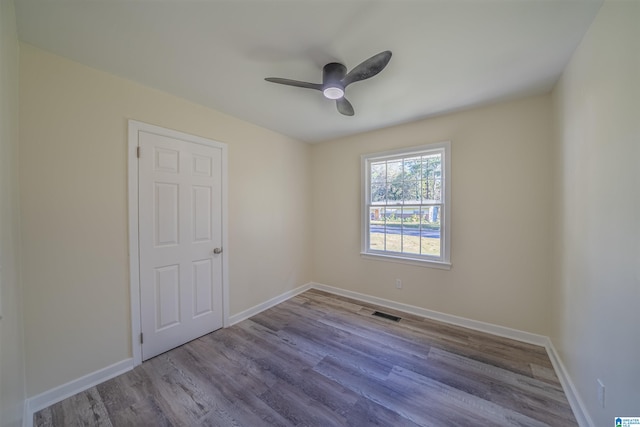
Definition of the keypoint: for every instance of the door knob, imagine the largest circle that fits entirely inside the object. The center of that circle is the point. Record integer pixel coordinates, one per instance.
(217, 251)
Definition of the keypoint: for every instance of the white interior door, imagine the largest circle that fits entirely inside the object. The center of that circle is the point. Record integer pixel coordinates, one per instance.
(180, 241)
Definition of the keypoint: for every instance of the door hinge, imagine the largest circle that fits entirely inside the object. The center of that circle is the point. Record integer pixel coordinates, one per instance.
(138, 151)
(141, 338)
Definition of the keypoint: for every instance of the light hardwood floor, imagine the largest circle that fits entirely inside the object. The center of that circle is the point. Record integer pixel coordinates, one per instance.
(323, 360)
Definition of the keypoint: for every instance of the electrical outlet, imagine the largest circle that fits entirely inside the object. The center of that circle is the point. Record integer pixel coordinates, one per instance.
(601, 392)
(398, 284)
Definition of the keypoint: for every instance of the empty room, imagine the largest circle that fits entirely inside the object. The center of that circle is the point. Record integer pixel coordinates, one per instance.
(319, 213)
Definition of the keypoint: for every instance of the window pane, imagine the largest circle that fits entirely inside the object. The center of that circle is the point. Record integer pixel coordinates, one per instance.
(412, 170)
(411, 229)
(393, 239)
(394, 171)
(394, 192)
(411, 192)
(376, 228)
(431, 230)
(431, 190)
(379, 172)
(431, 163)
(378, 193)
(431, 178)
(393, 229)
(395, 181)
(431, 166)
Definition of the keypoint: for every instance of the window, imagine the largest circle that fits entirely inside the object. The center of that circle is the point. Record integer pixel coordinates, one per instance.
(406, 199)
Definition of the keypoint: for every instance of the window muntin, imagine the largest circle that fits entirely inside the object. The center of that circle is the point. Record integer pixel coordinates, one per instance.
(405, 204)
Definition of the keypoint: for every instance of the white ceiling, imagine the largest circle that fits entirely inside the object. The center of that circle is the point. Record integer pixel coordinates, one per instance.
(447, 54)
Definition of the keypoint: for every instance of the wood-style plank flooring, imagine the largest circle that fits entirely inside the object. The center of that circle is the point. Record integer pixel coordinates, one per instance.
(323, 360)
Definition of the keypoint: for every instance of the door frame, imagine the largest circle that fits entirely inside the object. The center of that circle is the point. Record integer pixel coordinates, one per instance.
(134, 245)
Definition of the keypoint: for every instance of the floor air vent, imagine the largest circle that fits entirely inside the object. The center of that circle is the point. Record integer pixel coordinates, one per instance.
(386, 316)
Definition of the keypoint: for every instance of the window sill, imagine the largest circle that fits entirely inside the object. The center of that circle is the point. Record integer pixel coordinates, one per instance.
(410, 261)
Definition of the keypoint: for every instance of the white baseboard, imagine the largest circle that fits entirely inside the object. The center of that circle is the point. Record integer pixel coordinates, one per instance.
(55, 395)
(577, 405)
(243, 315)
(442, 317)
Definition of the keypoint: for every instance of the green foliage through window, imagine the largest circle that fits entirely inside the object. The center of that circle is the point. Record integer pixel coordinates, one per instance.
(405, 203)
(407, 180)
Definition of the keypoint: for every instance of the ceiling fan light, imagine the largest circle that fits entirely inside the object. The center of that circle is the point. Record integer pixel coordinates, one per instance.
(333, 92)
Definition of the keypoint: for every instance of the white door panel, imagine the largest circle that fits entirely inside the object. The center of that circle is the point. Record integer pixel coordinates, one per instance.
(180, 223)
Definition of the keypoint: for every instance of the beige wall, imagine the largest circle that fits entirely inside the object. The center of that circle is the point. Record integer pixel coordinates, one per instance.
(73, 172)
(545, 229)
(500, 216)
(12, 380)
(597, 273)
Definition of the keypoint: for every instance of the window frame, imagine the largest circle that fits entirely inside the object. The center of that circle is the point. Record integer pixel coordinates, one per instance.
(444, 260)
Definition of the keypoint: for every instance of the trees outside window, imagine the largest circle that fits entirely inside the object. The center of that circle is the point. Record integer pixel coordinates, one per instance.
(406, 204)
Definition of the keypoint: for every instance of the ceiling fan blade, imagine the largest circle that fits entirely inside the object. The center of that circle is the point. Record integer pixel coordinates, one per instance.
(344, 106)
(368, 68)
(296, 83)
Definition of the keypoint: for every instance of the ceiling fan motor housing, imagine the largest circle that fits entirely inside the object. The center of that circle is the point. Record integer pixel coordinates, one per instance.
(332, 74)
